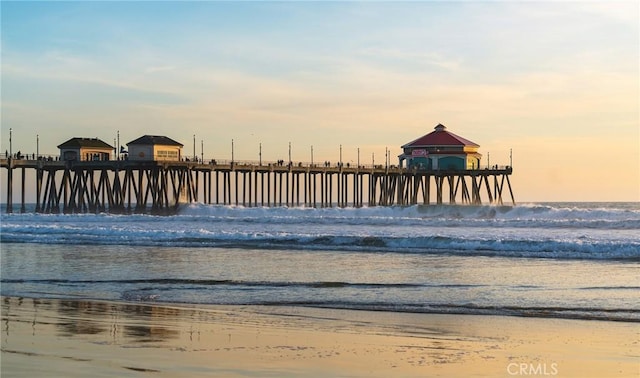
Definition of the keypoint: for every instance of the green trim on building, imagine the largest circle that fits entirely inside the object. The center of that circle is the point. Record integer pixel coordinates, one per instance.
(451, 162)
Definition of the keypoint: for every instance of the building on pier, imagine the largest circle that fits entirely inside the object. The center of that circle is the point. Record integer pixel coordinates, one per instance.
(155, 147)
(85, 149)
(441, 149)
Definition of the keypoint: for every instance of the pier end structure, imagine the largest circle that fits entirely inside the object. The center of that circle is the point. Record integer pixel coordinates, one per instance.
(441, 150)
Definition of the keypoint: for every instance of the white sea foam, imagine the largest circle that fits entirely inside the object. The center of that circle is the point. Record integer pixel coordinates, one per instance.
(582, 231)
(624, 212)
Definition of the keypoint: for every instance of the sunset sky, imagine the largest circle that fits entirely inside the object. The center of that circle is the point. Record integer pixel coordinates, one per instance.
(556, 82)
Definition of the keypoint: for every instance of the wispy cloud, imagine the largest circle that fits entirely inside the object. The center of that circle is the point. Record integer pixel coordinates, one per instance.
(402, 58)
(155, 69)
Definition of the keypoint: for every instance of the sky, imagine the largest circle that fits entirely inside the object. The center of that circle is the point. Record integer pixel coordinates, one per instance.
(556, 83)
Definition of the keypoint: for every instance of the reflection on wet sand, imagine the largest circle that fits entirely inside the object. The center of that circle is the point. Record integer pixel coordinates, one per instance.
(139, 323)
(76, 338)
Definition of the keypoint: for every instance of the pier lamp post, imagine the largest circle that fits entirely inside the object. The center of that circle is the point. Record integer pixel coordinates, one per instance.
(37, 146)
(373, 159)
(260, 153)
(312, 155)
(487, 160)
(289, 153)
(358, 157)
(202, 150)
(118, 146)
(386, 157)
(10, 144)
(232, 159)
(341, 155)
(195, 157)
(511, 157)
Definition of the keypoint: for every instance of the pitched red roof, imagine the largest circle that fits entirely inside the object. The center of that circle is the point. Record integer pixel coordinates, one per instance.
(440, 137)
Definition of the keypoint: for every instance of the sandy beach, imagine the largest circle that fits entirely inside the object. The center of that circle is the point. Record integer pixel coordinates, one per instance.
(76, 338)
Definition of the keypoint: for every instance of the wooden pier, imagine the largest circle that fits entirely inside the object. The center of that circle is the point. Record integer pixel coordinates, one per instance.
(159, 187)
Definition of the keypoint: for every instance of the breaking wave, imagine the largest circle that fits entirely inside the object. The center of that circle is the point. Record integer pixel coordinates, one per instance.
(565, 231)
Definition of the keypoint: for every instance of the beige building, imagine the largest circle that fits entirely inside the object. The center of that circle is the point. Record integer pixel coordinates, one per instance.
(85, 149)
(154, 147)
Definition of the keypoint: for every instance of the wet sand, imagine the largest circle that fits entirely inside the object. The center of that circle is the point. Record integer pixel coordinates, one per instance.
(75, 338)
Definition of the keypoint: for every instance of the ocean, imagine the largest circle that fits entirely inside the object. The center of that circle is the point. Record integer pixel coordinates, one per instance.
(557, 260)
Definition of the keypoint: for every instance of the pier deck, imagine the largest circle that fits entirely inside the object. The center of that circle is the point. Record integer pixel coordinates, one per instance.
(127, 186)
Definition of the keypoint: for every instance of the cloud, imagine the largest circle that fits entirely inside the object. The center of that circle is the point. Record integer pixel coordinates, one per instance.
(155, 69)
(412, 58)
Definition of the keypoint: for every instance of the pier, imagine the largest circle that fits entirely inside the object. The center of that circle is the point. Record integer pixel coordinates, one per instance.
(159, 187)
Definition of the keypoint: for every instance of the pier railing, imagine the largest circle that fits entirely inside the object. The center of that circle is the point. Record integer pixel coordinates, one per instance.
(54, 162)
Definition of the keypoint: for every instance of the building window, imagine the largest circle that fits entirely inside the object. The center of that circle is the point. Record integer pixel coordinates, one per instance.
(164, 154)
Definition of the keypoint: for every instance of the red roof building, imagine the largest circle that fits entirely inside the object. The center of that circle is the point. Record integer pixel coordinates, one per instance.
(441, 150)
